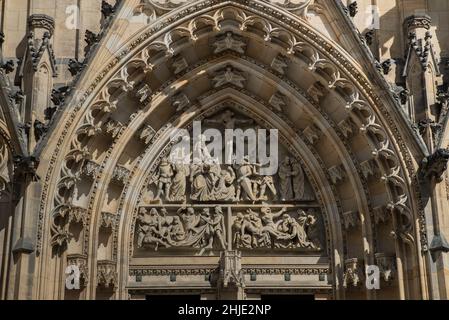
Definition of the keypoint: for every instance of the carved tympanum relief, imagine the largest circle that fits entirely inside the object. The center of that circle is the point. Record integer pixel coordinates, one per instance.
(204, 207)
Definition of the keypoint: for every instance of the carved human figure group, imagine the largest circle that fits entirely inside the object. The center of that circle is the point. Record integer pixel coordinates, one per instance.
(211, 181)
(276, 230)
(203, 230)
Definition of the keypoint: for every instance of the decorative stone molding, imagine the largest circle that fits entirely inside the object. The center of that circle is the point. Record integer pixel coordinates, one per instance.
(381, 214)
(368, 168)
(353, 276)
(387, 266)
(147, 133)
(107, 220)
(417, 22)
(347, 128)
(229, 41)
(107, 274)
(317, 91)
(351, 219)
(179, 64)
(231, 273)
(337, 174)
(358, 103)
(41, 21)
(80, 260)
(121, 175)
(229, 75)
(312, 134)
(180, 102)
(280, 64)
(278, 101)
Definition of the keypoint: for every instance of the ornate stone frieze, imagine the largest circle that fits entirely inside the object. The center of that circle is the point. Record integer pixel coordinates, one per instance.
(356, 104)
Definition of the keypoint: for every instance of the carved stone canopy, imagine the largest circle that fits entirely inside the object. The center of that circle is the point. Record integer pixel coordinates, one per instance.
(41, 21)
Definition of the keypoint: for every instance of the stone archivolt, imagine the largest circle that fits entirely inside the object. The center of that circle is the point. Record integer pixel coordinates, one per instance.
(129, 89)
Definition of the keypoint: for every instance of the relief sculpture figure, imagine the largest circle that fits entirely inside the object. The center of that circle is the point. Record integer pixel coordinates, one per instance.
(291, 180)
(275, 230)
(164, 179)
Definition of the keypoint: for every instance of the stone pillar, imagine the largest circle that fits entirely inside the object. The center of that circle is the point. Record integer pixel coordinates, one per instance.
(231, 283)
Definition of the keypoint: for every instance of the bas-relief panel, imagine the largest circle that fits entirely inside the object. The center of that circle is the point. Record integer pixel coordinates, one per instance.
(206, 207)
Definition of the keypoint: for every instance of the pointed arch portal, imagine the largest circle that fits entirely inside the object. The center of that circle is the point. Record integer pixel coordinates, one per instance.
(137, 225)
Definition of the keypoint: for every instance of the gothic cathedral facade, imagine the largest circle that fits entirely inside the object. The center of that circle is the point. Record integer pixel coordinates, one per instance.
(356, 92)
